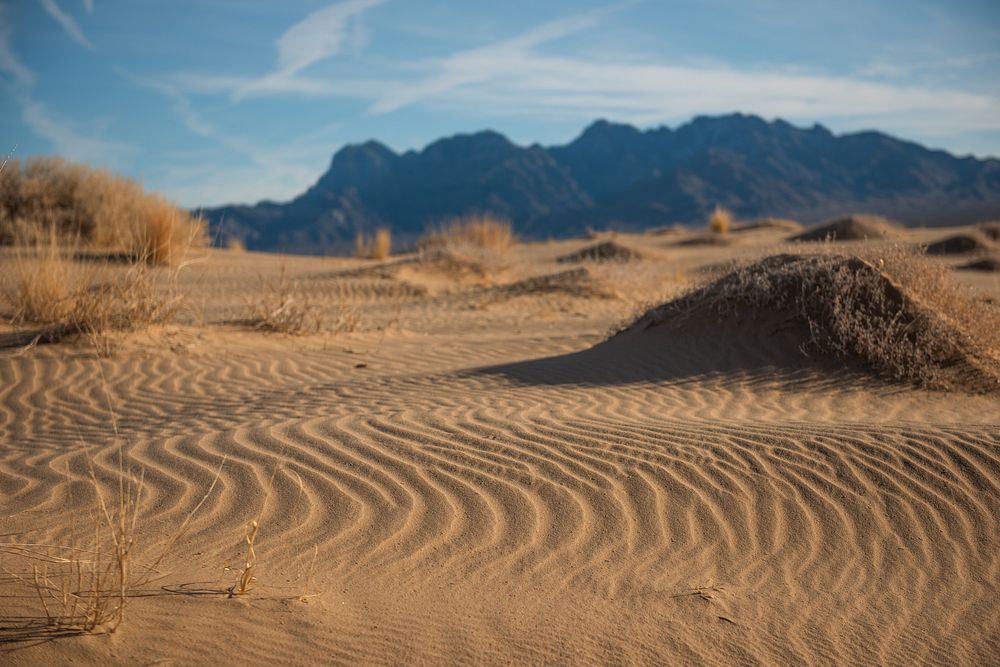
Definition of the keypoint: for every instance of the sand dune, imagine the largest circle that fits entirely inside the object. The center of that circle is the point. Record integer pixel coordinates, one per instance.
(472, 479)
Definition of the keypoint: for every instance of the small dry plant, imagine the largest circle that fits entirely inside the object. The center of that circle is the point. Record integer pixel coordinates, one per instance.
(720, 221)
(85, 586)
(377, 246)
(285, 307)
(245, 578)
(49, 288)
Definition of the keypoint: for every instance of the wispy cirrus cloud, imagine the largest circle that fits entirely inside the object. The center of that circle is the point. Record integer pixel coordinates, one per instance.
(67, 22)
(62, 134)
(529, 75)
(10, 64)
(517, 76)
(317, 37)
(480, 65)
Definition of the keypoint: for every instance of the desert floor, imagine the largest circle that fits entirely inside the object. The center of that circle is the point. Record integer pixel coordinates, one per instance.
(465, 478)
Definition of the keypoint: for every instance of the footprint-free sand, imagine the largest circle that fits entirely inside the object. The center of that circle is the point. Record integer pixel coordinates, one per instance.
(471, 477)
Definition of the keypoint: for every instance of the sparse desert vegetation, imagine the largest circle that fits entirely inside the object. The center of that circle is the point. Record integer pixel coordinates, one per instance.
(720, 221)
(95, 208)
(473, 247)
(376, 246)
(51, 290)
(471, 423)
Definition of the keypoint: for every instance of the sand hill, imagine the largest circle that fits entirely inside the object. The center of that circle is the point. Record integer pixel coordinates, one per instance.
(849, 228)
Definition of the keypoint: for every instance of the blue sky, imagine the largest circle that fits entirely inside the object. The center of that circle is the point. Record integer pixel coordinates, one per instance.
(240, 100)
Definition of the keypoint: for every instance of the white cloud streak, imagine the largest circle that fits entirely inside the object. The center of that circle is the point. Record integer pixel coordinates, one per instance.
(64, 137)
(61, 133)
(21, 76)
(67, 22)
(89, 6)
(317, 37)
(514, 76)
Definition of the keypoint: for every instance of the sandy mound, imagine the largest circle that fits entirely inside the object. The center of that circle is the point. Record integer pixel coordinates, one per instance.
(705, 240)
(849, 228)
(960, 244)
(608, 251)
(991, 230)
(575, 282)
(987, 264)
(768, 223)
(901, 319)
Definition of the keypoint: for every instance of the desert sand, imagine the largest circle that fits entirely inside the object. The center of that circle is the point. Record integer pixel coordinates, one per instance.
(476, 474)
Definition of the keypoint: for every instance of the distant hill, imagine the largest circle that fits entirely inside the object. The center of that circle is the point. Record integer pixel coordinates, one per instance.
(616, 176)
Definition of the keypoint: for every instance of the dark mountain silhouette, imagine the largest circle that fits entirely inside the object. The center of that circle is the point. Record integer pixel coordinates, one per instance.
(616, 176)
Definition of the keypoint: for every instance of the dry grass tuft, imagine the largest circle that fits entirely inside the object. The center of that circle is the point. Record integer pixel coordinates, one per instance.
(892, 309)
(245, 579)
(483, 232)
(473, 247)
(378, 246)
(286, 307)
(720, 221)
(49, 287)
(85, 586)
(96, 208)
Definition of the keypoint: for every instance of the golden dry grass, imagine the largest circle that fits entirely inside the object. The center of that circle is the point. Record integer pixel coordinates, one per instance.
(720, 221)
(285, 306)
(377, 246)
(473, 247)
(84, 585)
(484, 232)
(100, 209)
(49, 287)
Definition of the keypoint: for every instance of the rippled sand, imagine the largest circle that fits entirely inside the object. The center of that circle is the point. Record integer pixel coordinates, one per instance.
(472, 478)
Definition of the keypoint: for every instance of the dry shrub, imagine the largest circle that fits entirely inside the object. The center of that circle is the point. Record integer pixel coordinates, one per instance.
(286, 307)
(479, 231)
(892, 309)
(720, 221)
(96, 207)
(378, 246)
(473, 247)
(47, 287)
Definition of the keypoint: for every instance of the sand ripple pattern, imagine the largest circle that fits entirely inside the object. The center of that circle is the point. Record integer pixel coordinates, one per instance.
(794, 541)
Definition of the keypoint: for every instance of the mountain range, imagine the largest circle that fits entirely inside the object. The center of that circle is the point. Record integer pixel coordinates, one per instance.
(617, 176)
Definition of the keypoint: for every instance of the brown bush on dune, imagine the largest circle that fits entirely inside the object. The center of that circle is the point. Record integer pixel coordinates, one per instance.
(47, 288)
(720, 221)
(478, 231)
(97, 208)
(286, 307)
(893, 310)
(474, 246)
(377, 246)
